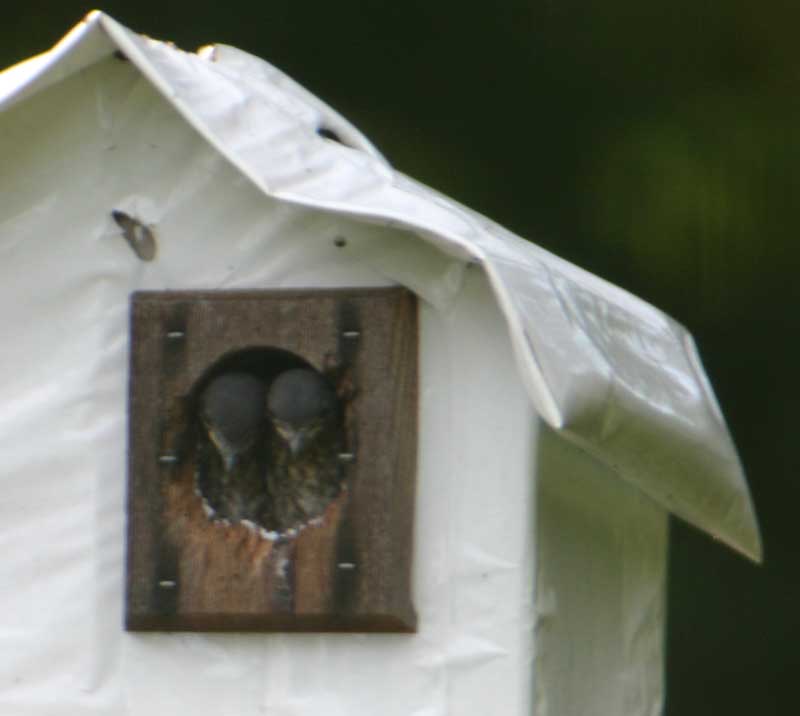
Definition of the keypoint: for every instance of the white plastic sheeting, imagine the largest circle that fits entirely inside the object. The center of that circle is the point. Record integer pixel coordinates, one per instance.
(250, 196)
(600, 589)
(612, 373)
(101, 140)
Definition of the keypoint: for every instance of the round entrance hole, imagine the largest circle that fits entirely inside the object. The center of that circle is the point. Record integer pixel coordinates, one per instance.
(269, 441)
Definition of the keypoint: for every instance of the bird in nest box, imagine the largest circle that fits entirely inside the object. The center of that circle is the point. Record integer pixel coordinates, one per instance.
(305, 470)
(231, 459)
(269, 457)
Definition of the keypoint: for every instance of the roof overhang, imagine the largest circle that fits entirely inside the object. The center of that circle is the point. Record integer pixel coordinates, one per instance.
(608, 371)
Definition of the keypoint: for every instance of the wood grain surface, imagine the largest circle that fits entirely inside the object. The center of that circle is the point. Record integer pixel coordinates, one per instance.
(349, 569)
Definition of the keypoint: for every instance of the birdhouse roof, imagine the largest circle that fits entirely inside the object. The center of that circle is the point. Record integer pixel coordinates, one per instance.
(606, 370)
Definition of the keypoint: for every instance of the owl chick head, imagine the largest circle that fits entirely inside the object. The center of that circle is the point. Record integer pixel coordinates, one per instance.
(233, 413)
(300, 403)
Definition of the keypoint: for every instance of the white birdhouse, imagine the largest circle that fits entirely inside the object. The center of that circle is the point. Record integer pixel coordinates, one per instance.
(553, 421)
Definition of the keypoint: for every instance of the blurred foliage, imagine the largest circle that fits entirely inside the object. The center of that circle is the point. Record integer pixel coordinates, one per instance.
(687, 200)
(653, 143)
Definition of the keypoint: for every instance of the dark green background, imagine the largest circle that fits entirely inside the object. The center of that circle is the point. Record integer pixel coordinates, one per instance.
(654, 144)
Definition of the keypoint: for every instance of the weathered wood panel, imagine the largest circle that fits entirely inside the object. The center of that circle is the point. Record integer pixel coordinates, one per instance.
(349, 569)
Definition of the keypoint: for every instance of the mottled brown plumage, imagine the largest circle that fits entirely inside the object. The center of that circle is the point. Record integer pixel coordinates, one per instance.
(301, 486)
(305, 471)
(231, 453)
(270, 458)
(238, 493)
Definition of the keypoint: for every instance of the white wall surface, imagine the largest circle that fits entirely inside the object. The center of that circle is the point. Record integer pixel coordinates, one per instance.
(601, 589)
(104, 139)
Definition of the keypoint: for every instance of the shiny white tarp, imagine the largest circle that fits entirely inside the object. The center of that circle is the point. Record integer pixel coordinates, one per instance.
(104, 139)
(610, 372)
(247, 195)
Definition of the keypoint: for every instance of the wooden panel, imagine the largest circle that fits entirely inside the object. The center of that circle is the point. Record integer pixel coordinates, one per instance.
(346, 570)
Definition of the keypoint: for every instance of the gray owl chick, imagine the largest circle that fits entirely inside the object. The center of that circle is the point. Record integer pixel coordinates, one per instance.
(305, 473)
(232, 460)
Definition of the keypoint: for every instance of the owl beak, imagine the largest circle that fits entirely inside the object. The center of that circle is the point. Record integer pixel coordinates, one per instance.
(296, 442)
